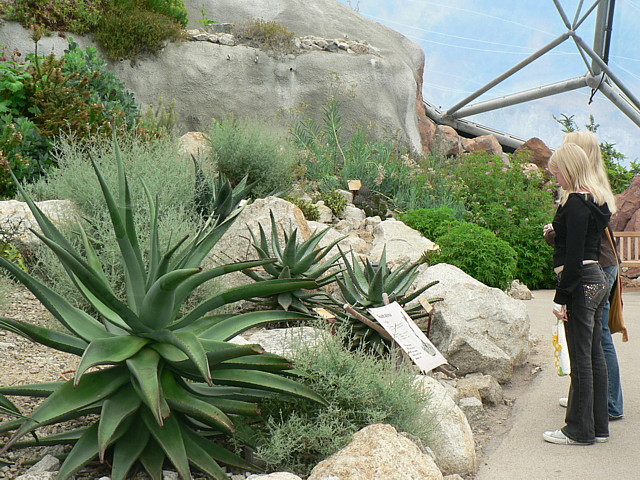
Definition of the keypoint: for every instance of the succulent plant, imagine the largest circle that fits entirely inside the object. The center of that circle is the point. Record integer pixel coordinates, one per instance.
(304, 260)
(164, 382)
(370, 285)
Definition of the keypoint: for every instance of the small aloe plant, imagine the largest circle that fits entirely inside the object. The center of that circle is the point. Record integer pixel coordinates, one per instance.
(299, 260)
(368, 286)
(163, 382)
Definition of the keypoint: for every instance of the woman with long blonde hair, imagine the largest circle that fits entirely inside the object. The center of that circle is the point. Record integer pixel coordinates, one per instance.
(580, 295)
(608, 261)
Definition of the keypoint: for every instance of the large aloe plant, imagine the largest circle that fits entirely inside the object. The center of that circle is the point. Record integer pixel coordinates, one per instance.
(301, 260)
(164, 381)
(369, 285)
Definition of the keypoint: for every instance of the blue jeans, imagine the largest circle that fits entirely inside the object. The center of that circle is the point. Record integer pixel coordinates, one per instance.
(615, 387)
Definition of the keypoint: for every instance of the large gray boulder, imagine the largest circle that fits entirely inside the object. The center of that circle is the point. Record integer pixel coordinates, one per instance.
(17, 220)
(210, 80)
(477, 328)
(451, 439)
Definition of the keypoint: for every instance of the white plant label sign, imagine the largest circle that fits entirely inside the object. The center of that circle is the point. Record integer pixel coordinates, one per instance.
(408, 336)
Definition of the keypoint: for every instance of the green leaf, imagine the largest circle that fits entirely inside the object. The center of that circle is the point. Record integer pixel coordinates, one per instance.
(152, 459)
(43, 389)
(134, 271)
(201, 459)
(128, 449)
(85, 449)
(233, 326)
(169, 437)
(114, 411)
(109, 351)
(267, 381)
(8, 408)
(144, 368)
(157, 307)
(181, 400)
(243, 292)
(265, 362)
(189, 285)
(213, 451)
(66, 399)
(50, 338)
(74, 319)
(189, 344)
(68, 437)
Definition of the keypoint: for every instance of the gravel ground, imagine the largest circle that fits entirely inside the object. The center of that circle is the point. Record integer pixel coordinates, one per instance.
(23, 361)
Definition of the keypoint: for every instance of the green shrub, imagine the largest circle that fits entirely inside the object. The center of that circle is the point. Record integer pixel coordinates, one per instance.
(173, 9)
(361, 390)
(266, 35)
(335, 201)
(256, 151)
(41, 97)
(24, 150)
(513, 205)
(105, 86)
(309, 209)
(77, 16)
(478, 252)
(127, 33)
(430, 222)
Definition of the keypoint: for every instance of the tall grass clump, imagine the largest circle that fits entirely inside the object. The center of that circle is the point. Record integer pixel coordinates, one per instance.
(156, 161)
(252, 149)
(332, 156)
(361, 389)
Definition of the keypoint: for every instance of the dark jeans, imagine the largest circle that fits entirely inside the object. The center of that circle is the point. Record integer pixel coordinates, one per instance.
(587, 416)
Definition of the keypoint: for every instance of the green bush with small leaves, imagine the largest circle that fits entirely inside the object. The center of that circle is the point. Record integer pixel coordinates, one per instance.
(76, 16)
(335, 201)
(127, 33)
(478, 252)
(361, 389)
(309, 209)
(515, 206)
(430, 222)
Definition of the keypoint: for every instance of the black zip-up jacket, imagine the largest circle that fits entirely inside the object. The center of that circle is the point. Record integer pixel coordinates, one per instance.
(578, 224)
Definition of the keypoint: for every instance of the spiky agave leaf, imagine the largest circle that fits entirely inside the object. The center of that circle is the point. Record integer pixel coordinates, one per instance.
(364, 285)
(162, 381)
(295, 260)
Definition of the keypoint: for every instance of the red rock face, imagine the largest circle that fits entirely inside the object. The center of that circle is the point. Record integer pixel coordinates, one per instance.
(537, 152)
(486, 143)
(426, 126)
(627, 218)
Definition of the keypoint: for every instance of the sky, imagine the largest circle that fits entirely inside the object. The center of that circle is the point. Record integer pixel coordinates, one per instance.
(468, 43)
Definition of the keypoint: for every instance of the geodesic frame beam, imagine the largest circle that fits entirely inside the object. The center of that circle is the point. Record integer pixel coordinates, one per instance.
(599, 76)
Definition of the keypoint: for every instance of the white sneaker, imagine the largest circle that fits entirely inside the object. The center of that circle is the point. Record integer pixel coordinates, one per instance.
(559, 438)
(564, 401)
(602, 439)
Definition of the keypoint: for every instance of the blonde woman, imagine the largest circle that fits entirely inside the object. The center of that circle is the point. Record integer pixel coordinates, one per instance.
(581, 294)
(609, 263)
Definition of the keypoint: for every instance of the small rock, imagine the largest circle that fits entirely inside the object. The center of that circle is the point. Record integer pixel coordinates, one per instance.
(169, 475)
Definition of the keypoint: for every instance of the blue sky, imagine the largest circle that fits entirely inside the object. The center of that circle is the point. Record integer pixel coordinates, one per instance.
(468, 43)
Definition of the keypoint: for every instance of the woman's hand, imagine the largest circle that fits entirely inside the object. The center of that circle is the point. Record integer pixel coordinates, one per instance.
(560, 311)
(547, 228)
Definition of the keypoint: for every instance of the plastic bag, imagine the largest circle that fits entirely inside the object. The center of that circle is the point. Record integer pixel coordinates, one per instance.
(560, 349)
